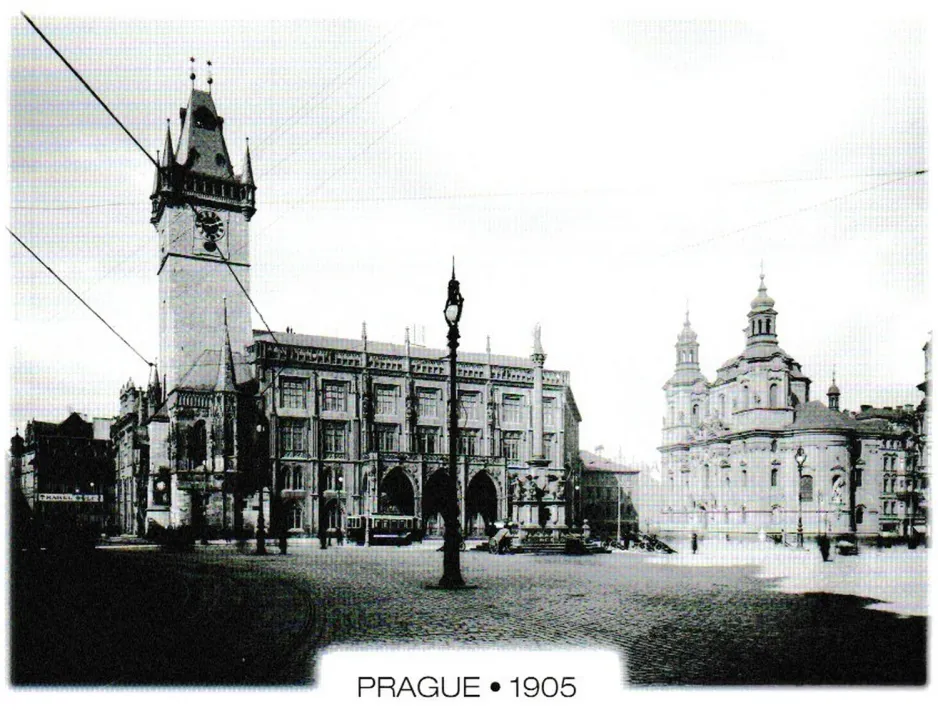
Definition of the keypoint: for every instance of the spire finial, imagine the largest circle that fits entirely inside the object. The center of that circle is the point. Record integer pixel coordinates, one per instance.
(488, 344)
(687, 311)
(834, 374)
(407, 334)
(364, 331)
(192, 71)
(761, 275)
(454, 266)
(210, 79)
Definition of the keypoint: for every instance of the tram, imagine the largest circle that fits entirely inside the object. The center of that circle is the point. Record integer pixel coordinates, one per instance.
(396, 530)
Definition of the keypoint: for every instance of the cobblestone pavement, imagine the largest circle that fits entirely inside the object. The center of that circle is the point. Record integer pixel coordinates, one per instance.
(228, 617)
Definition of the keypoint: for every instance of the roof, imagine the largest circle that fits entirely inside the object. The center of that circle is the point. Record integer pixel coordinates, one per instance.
(202, 132)
(203, 375)
(379, 348)
(598, 464)
(814, 415)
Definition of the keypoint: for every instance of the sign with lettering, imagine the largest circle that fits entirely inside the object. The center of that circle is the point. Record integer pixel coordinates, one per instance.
(71, 498)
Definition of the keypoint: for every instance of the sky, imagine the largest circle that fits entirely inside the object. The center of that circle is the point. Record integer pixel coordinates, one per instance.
(596, 175)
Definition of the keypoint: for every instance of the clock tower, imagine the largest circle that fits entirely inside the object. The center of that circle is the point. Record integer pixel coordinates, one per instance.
(201, 210)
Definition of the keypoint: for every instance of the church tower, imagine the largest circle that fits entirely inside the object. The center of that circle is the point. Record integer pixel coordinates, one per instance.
(201, 210)
(686, 390)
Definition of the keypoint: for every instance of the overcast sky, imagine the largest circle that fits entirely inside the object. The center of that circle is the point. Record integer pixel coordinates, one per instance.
(593, 175)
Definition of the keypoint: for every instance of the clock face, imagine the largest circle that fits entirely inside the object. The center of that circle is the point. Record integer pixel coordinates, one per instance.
(211, 226)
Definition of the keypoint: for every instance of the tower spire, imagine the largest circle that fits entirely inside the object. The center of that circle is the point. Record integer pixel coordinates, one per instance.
(226, 370)
(192, 71)
(210, 80)
(762, 313)
(167, 156)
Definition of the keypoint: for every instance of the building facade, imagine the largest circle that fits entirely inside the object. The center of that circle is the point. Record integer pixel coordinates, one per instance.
(63, 478)
(296, 432)
(750, 452)
(605, 490)
(361, 427)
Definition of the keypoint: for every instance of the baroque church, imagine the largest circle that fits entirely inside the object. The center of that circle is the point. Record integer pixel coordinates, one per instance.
(242, 426)
(752, 453)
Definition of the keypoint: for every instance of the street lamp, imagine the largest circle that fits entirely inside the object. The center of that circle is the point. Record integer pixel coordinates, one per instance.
(261, 533)
(800, 458)
(452, 578)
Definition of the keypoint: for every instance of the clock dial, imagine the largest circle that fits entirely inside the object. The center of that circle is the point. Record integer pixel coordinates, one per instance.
(211, 226)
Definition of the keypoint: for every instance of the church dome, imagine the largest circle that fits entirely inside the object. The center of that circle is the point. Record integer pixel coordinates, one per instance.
(762, 301)
(687, 334)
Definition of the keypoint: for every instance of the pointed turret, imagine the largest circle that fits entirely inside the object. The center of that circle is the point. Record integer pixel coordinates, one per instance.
(226, 381)
(247, 176)
(168, 157)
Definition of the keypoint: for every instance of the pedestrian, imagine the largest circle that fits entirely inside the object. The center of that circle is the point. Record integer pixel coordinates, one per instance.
(693, 543)
(824, 544)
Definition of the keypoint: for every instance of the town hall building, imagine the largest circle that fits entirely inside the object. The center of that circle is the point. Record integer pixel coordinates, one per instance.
(241, 426)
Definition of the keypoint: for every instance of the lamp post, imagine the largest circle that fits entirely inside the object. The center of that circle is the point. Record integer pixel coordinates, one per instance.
(800, 458)
(261, 533)
(452, 578)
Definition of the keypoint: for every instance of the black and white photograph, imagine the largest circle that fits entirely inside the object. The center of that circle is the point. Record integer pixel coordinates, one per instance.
(477, 332)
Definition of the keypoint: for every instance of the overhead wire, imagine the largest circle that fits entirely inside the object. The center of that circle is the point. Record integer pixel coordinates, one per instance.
(800, 210)
(75, 294)
(92, 91)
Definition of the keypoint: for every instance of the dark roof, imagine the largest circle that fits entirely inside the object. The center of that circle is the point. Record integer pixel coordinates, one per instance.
(814, 415)
(598, 464)
(202, 132)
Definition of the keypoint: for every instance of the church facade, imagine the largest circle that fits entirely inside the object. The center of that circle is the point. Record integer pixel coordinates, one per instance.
(242, 428)
(751, 453)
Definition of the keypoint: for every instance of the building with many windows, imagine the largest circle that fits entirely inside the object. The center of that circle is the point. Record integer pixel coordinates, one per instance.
(362, 427)
(750, 452)
(298, 432)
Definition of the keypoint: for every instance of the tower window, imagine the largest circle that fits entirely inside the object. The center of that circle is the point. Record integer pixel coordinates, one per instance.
(773, 395)
(773, 479)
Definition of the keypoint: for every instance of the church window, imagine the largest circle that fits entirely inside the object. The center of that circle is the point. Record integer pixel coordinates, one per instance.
(885, 484)
(859, 515)
(723, 406)
(806, 488)
(760, 326)
(773, 478)
(768, 325)
(292, 437)
(773, 395)
(858, 478)
(292, 393)
(334, 396)
(707, 475)
(695, 413)
(745, 476)
(204, 119)
(745, 396)
(753, 327)
(727, 481)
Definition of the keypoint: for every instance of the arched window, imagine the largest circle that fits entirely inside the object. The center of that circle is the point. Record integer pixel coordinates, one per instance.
(297, 483)
(722, 406)
(745, 475)
(295, 517)
(885, 484)
(859, 514)
(768, 325)
(745, 396)
(773, 480)
(695, 413)
(727, 481)
(773, 395)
